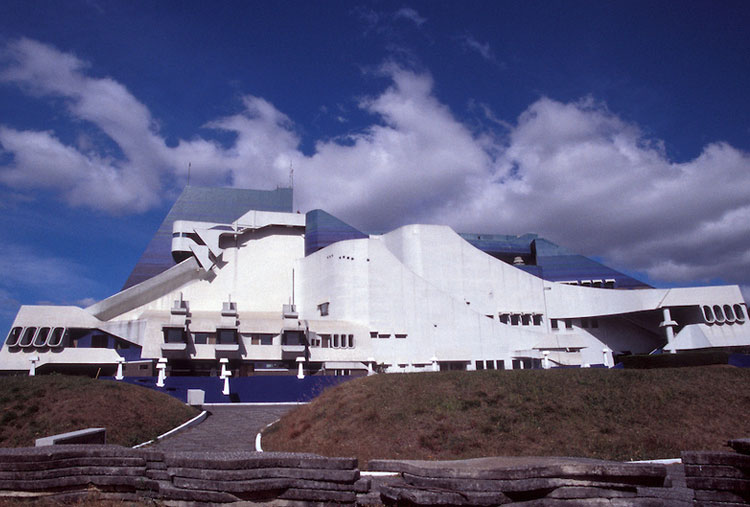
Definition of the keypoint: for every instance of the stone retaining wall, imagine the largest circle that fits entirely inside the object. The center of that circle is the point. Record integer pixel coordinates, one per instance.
(66, 472)
(74, 472)
(720, 478)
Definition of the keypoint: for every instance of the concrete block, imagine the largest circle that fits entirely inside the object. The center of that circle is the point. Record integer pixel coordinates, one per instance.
(741, 445)
(169, 492)
(344, 476)
(53, 473)
(515, 468)
(196, 397)
(85, 436)
(73, 462)
(245, 459)
(536, 486)
(405, 494)
(719, 483)
(721, 496)
(716, 471)
(312, 495)
(716, 458)
(591, 492)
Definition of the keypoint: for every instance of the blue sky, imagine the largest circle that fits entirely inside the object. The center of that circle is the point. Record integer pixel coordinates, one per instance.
(620, 130)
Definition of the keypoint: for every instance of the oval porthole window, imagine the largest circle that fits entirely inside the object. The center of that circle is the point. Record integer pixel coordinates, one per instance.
(739, 313)
(728, 313)
(719, 314)
(708, 314)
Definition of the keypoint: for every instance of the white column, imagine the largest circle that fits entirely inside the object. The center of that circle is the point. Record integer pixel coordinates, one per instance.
(668, 324)
(300, 368)
(435, 365)
(118, 375)
(223, 362)
(162, 367)
(370, 363)
(605, 357)
(32, 370)
(225, 391)
(545, 360)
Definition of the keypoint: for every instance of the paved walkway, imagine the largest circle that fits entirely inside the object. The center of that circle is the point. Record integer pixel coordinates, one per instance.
(227, 428)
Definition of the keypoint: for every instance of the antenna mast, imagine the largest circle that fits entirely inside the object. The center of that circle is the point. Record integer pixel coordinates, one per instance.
(189, 165)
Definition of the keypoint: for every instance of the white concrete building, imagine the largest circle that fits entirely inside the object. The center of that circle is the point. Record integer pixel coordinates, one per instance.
(277, 292)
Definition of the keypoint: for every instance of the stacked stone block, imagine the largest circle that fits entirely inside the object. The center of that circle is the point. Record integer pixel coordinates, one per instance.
(74, 472)
(528, 481)
(69, 469)
(719, 478)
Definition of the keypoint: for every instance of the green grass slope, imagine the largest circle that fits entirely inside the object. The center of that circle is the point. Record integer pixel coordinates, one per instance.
(33, 407)
(608, 414)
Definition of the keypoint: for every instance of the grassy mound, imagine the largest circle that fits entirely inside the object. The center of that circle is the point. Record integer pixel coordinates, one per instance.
(33, 407)
(608, 414)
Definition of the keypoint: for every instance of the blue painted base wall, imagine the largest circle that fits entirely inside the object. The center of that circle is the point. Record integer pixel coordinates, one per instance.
(255, 389)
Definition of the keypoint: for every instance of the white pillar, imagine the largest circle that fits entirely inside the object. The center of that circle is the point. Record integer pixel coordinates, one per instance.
(223, 362)
(545, 360)
(225, 391)
(435, 365)
(118, 375)
(668, 324)
(300, 368)
(370, 363)
(162, 367)
(605, 357)
(32, 370)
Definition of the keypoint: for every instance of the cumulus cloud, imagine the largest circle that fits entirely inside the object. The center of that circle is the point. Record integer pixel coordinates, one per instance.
(574, 172)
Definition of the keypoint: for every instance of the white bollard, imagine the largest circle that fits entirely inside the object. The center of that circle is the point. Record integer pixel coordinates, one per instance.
(162, 367)
(300, 368)
(119, 375)
(225, 391)
(224, 362)
(32, 370)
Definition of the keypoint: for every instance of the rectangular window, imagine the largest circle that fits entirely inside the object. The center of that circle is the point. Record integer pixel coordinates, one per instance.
(503, 317)
(525, 319)
(384, 335)
(553, 323)
(351, 341)
(226, 336)
(173, 335)
(568, 323)
(490, 365)
(500, 364)
(514, 319)
(100, 341)
(325, 340)
(400, 336)
(373, 334)
(323, 308)
(479, 365)
(537, 319)
(335, 341)
(584, 322)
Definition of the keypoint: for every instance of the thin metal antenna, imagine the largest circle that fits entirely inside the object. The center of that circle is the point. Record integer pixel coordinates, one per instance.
(291, 175)
(189, 165)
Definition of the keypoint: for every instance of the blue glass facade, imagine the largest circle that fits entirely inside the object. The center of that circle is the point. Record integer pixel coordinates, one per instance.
(221, 205)
(323, 229)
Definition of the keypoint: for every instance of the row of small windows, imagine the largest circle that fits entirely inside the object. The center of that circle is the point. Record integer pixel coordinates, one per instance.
(490, 365)
(335, 341)
(37, 337)
(720, 314)
(385, 336)
(601, 284)
(586, 322)
(520, 319)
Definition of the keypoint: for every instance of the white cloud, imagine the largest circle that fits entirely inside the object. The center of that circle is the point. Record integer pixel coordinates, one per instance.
(411, 15)
(483, 49)
(574, 172)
